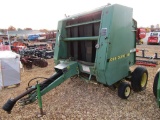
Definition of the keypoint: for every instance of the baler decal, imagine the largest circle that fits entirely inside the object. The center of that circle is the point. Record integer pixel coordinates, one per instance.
(118, 57)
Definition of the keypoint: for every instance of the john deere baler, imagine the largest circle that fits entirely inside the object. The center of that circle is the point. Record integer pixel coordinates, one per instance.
(98, 45)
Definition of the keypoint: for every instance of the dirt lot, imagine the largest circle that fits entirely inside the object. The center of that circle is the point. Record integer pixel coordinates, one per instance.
(75, 99)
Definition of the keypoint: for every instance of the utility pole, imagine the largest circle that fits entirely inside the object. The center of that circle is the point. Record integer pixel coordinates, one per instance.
(9, 40)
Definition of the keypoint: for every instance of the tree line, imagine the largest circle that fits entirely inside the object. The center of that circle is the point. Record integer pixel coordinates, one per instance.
(12, 28)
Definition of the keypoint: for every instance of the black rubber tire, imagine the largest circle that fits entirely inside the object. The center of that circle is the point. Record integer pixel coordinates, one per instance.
(122, 90)
(136, 79)
(155, 84)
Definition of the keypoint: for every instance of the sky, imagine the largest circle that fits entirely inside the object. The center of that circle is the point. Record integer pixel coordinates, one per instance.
(45, 14)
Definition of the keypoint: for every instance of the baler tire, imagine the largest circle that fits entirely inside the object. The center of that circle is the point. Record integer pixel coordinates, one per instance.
(124, 90)
(155, 84)
(139, 79)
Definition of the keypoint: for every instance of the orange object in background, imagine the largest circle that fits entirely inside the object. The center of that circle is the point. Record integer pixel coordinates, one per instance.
(1, 41)
(18, 44)
(137, 50)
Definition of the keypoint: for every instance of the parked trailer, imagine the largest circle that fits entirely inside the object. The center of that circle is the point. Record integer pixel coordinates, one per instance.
(99, 44)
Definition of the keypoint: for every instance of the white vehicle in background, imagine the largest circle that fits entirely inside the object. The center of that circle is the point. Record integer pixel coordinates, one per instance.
(154, 38)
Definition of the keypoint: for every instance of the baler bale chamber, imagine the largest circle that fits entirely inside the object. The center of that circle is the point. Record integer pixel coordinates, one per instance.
(103, 42)
(99, 45)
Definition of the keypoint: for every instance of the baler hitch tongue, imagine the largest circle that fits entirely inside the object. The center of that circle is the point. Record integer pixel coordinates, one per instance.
(64, 71)
(8, 106)
(11, 102)
(31, 91)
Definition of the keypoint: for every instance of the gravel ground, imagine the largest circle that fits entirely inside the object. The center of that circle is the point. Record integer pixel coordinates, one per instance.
(76, 99)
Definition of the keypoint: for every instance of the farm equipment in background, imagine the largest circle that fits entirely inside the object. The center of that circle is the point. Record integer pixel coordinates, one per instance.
(48, 54)
(17, 46)
(154, 38)
(149, 63)
(28, 61)
(150, 59)
(155, 56)
(44, 53)
(141, 33)
(99, 44)
(156, 87)
(17, 49)
(25, 62)
(51, 34)
(37, 46)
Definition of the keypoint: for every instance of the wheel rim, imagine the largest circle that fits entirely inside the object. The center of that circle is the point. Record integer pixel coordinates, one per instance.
(127, 91)
(144, 80)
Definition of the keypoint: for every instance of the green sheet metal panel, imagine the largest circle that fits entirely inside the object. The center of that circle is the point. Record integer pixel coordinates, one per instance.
(101, 52)
(60, 45)
(103, 35)
(120, 42)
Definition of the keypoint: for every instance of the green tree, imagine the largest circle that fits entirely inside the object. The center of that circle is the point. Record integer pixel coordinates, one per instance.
(19, 29)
